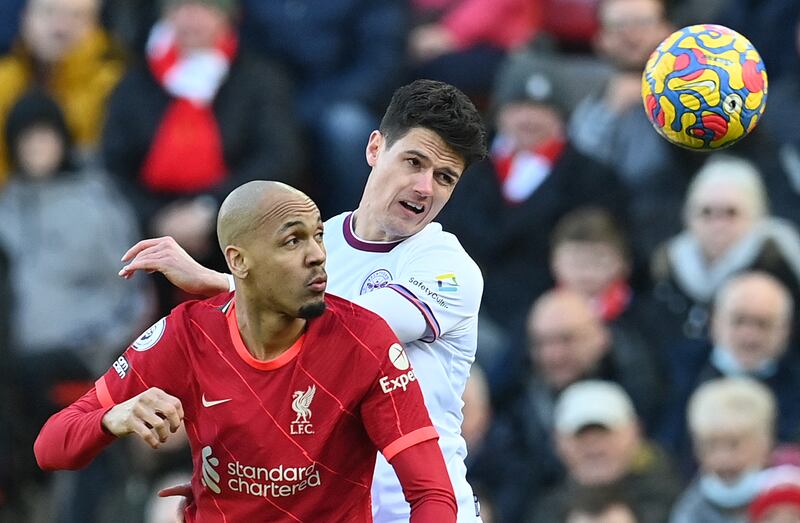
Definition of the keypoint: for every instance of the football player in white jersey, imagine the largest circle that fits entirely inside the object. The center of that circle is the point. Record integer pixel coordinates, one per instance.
(390, 257)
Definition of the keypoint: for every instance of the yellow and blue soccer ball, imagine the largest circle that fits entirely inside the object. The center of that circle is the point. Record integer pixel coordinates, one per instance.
(704, 87)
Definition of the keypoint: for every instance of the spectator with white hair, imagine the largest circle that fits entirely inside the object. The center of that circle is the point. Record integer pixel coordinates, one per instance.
(728, 229)
(731, 422)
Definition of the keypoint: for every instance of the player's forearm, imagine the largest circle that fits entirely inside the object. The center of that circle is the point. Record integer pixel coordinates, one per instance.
(216, 283)
(426, 483)
(72, 437)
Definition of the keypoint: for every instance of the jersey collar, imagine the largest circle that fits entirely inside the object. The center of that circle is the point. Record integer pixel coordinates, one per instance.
(364, 245)
(241, 348)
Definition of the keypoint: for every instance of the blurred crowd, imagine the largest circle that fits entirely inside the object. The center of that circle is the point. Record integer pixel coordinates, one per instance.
(639, 352)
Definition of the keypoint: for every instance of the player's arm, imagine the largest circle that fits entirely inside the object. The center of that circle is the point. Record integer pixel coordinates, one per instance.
(73, 437)
(164, 255)
(426, 483)
(406, 318)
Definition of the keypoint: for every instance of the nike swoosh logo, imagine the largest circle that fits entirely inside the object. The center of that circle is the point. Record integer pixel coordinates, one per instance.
(207, 403)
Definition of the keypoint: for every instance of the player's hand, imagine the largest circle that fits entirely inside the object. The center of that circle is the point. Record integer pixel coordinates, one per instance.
(152, 415)
(164, 255)
(185, 491)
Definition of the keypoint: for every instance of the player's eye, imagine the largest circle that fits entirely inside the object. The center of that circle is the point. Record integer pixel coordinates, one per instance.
(292, 241)
(319, 236)
(414, 162)
(445, 179)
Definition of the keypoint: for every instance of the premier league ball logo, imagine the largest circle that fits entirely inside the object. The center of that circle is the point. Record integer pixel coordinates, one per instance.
(704, 87)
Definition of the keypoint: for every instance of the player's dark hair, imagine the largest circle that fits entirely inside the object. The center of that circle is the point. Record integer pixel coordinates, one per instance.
(441, 108)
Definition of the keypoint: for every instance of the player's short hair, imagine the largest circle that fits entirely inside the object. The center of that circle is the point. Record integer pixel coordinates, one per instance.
(725, 403)
(441, 108)
(590, 224)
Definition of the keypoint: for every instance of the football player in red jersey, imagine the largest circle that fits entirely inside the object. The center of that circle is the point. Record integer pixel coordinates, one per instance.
(286, 392)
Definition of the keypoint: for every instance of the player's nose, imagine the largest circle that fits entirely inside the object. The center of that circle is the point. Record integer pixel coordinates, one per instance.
(316, 253)
(423, 185)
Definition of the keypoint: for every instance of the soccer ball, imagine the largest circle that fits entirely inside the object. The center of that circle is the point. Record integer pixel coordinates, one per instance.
(704, 87)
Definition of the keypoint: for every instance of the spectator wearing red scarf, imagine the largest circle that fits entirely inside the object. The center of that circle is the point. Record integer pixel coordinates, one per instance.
(200, 117)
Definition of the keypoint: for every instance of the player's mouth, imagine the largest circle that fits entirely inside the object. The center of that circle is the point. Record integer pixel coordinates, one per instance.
(414, 208)
(319, 283)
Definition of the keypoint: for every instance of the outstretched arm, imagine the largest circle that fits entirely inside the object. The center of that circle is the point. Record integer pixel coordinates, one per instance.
(426, 483)
(164, 255)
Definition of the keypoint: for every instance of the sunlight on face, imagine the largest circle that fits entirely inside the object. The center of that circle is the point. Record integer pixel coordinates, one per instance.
(409, 184)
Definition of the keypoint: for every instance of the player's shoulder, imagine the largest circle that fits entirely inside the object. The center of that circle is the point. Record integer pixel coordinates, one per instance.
(349, 320)
(434, 243)
(216, 305)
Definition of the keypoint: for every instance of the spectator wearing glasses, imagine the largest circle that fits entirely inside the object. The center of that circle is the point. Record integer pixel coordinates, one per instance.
(568, 342)
(750, 337)
(728, 229)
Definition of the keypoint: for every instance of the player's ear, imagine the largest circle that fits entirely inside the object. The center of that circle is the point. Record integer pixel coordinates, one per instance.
(373, 147)
(237, 263)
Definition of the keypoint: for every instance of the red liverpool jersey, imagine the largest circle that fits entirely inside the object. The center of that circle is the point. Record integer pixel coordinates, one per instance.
(290, 439)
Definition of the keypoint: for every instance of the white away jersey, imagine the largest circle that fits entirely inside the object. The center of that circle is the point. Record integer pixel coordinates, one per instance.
(431, 271)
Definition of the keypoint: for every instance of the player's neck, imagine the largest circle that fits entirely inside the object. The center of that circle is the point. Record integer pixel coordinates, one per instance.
(366, 228)
(266, 334)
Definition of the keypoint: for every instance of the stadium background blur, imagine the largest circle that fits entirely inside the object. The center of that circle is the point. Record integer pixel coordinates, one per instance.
(603, 247)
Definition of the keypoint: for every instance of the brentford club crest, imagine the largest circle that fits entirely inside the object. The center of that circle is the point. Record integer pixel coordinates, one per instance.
(301, 404)
(376, 280)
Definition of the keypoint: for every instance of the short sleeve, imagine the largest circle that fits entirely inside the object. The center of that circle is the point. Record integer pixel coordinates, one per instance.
(154, 359)
(443, 283)
(393, 410)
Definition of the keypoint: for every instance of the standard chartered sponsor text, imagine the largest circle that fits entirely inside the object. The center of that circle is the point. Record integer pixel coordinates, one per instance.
(276, 482)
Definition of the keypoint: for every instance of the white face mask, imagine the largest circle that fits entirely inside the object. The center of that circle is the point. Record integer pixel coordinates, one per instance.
(732, 495)
(724, 361)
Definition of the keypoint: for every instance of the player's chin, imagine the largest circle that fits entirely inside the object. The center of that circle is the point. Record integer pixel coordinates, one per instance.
(312, 308)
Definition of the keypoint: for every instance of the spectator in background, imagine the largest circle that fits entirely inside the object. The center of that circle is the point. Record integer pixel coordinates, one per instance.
(568, 343)
(589, 254)
(62, 48)
(198, 119)
(462, 42)
(610, 126)
(601, 505)
(63, 226)
(600, 443)
(768, 26)
(345, 58)
(750, 336)
(731, 422)
(728, 229)
(504, 209)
